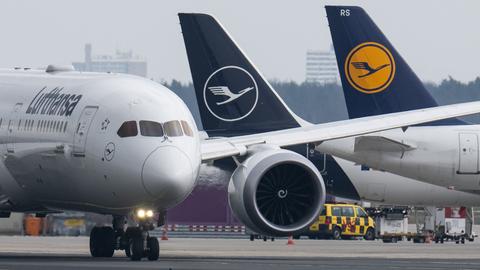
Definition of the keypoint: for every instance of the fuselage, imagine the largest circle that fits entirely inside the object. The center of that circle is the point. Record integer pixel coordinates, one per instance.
(93, 142)
(446, 156)
(386, 188)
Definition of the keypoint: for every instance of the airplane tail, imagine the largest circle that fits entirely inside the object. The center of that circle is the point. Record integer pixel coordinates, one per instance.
(375, 78)
(233, 97)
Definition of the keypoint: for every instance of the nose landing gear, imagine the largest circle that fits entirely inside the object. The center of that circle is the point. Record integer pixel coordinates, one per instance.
(140, 244)
(136, 241)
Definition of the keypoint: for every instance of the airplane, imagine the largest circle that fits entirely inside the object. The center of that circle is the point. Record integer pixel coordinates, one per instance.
(126, 146)
(444, 153)
(203, 33)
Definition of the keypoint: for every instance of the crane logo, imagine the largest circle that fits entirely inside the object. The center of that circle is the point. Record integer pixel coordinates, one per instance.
(230, 93)
(370, 67)
(225, 91)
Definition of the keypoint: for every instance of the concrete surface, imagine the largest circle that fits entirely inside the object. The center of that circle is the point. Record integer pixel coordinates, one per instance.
(18, 252)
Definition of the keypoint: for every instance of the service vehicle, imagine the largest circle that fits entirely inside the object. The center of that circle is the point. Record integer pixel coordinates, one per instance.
(454, 223)
(337, 221)
(391, 223)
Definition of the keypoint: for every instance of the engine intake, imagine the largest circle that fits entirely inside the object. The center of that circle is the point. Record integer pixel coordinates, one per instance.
(276, 192)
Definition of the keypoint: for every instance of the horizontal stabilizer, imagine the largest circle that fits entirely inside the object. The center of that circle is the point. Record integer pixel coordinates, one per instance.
(380, 143)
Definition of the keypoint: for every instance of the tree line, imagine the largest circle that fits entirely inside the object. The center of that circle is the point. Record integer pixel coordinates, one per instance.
(319, 103)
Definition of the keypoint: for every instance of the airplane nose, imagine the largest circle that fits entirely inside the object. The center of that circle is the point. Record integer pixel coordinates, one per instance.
(167, 175)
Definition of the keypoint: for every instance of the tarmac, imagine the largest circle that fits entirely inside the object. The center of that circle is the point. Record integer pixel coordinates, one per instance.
(18, 252)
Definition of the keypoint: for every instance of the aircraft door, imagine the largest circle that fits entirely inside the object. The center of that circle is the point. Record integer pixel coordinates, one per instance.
(12, 124)
(81, 131)
(468, 153)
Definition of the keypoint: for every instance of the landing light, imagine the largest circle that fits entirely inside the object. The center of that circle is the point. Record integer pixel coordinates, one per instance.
(142, 213)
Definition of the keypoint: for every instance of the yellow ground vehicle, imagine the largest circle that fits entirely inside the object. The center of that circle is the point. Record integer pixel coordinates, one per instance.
(342, 220)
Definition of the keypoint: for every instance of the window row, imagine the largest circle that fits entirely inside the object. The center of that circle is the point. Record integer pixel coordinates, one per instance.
(154, 129)
(40, 125)
(347, 211)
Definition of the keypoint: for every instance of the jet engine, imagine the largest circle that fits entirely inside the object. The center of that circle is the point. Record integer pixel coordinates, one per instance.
(276, 192)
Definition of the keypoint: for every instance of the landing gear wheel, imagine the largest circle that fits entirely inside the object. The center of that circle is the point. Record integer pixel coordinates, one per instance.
(136, 249)
(94, 239)
(153, 249)
(102, 242)
(130, 233)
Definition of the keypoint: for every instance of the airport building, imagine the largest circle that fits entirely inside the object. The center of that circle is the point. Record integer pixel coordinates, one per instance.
(321, 67)
(120, 62)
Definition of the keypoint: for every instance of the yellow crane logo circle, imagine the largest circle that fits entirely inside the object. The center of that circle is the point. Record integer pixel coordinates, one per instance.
(370, 67)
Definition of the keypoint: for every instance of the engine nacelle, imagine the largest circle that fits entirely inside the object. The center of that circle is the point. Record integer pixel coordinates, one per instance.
(276, 192)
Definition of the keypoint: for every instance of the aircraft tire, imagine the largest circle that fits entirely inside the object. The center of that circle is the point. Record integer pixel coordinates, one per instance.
(102, 241)
(94, 249)
(136, 249)
(107, 241)
(153, 249)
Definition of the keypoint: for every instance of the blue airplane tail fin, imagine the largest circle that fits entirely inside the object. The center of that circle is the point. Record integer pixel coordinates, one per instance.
(375, 78)
(233, 97)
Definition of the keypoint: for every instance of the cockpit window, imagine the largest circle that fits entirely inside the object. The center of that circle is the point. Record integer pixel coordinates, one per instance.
(173, 128)
(128, 129)
(186, 128)
(151, 129)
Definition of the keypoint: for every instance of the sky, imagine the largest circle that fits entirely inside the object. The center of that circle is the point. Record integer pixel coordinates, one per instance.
(438, 38)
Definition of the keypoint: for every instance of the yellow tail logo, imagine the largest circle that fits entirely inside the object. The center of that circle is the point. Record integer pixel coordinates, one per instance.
(370, 67)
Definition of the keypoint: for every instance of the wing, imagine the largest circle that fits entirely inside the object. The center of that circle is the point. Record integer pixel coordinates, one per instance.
(220, 90)
(224, 147)
(362, 65)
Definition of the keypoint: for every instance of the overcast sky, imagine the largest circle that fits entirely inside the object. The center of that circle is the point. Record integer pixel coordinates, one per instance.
(437, 38)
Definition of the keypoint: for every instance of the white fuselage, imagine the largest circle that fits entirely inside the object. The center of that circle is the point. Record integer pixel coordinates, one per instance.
(385, 188)
(60, 147)
(446, 156)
